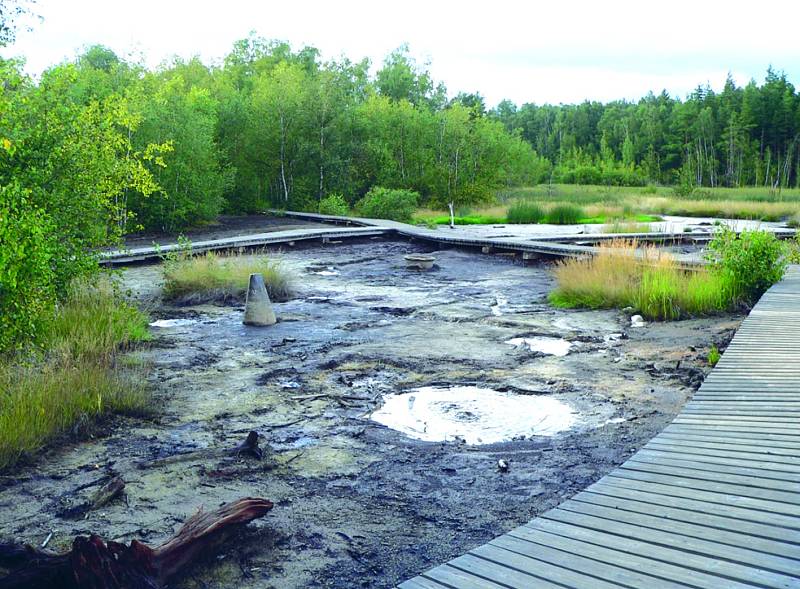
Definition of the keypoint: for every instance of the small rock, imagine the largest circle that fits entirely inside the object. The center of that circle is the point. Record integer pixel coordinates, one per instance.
(628, 310)
(637, 321)
(502, 465)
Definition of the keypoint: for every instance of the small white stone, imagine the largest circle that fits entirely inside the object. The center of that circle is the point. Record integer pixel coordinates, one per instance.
(637, 321)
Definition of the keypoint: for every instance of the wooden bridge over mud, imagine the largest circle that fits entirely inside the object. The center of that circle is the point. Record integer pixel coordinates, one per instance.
(712, 502)
(529, 248)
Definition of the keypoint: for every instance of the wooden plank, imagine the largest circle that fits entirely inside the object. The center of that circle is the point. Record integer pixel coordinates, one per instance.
(456, 578)
(784, 456)
(543, 561)
(700, 462)
(769, 537)
(722, 437)
(661, 495)
(508, 573)
(734, 549)
(583, 558)
(780, 501)
(711, 497)
(421, 583)
(774, 461)
(711, 473)
(672, 566)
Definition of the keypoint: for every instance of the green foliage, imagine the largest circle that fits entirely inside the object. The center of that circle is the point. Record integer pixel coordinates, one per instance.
(386, 203)
(749, 262)
(334, 204)
(736, 137)
(525, 212)
(65, 172)
(221, 278)
(77, 379)
(27, 290)
(565, 215)
(713, 355)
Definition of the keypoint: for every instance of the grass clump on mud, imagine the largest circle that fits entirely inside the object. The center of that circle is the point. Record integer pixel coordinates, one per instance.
(623, 274)
(221, 278)
(651, 282)
(74, 376)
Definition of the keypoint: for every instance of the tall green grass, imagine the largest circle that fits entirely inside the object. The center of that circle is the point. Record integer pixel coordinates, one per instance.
(521, 212)
(651, 282)
(76, 377)
(222, 278)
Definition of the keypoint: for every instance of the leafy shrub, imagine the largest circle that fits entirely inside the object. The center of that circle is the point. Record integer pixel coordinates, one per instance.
(334, 204)
(27, 291)
(386, 203)
(565, 215)
(749, 263)
(525, 212)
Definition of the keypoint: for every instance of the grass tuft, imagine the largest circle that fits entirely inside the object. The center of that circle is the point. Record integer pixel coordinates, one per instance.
(521, 212)
(626, 275)
(76, 379)
(222, 278)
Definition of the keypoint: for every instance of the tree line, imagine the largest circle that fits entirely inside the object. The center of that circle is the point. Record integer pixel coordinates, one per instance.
(274, 127)
(741, 136)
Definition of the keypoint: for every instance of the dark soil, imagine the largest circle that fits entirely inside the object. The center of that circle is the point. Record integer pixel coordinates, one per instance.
(358, 504)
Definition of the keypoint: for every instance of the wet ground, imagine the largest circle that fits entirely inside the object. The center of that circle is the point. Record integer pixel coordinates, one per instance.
(359, 504)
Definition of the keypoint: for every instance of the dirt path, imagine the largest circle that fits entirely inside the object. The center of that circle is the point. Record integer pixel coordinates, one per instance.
(357, 503)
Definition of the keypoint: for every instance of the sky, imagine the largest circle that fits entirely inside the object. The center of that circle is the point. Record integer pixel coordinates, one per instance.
(559, 51)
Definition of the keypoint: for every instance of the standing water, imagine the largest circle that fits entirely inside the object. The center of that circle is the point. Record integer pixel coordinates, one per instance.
(478, 416)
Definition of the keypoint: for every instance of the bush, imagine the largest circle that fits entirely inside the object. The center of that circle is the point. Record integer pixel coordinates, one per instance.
(525, 212)
(749, 263)
(385, 203)
(334, 204)
(27, 281)
(219, 278)
(565, 215)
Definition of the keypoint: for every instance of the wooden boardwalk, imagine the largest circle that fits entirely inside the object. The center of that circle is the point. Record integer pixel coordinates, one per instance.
(712, 502)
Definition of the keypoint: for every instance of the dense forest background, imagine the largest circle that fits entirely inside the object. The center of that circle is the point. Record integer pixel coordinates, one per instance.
(275, 127)
(738, 137)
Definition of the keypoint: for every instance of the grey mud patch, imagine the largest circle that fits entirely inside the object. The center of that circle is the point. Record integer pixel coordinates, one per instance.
(359, 503)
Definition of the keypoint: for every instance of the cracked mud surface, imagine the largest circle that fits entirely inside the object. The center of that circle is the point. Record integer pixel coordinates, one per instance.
(358, 504)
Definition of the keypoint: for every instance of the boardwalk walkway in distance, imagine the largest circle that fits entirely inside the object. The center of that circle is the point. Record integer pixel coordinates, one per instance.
(712, 502)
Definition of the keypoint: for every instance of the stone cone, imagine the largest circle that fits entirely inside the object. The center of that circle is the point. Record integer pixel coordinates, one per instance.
(257, 307)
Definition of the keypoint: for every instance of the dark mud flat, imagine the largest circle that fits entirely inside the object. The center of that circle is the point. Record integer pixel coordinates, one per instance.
(226, 226)
(359, 504)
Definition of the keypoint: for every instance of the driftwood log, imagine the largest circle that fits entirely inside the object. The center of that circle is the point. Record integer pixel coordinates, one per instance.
(96, 564)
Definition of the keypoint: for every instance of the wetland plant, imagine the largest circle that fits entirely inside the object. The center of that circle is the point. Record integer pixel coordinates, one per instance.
(525, 212)
(651, 282)
(213, 277)
(565, 214)
(77, 378)
(623, 274)
(713, 355)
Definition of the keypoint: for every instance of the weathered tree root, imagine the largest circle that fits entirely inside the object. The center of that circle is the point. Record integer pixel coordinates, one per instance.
(95, 564)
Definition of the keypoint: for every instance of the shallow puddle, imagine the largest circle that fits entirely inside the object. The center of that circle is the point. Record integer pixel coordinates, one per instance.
(476, 415)
(552, 346)
(173, 322)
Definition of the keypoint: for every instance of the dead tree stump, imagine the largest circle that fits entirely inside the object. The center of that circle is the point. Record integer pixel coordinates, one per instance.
(95, 564)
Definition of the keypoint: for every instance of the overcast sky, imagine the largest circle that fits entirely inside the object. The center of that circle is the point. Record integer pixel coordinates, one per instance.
(559, 51)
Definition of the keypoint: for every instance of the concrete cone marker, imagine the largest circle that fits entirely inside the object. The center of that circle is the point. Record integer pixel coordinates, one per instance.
(257, 307)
